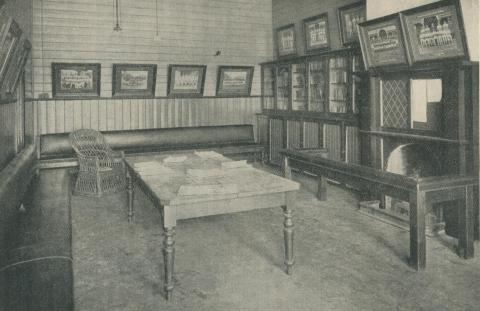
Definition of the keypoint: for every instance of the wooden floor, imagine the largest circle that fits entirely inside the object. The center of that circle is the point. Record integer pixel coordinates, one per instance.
(344, 261)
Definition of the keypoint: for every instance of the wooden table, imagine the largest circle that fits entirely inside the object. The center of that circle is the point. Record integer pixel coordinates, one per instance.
(195, 184)
(421, 193)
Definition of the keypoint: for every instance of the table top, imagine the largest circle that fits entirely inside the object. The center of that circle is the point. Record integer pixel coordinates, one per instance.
(202, 176)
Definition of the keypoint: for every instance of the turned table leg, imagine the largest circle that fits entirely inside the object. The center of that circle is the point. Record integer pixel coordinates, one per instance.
(168, 260)
(130, 197)
(169, 224)
(288, 236)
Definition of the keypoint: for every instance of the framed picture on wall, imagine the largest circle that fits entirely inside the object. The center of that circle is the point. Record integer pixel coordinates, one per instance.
(382, 42)
(16, 67)
(286, 41)
(316, 32)
(10, 34)
(348, 17)
(133, 80)
(75, 80)
(435, 31)
(186, 80)
(234, 80)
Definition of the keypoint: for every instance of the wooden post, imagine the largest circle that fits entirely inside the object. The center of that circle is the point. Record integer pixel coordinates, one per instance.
(466, 225)
(417, 230)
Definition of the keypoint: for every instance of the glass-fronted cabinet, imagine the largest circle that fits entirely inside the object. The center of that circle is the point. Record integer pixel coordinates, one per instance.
(299, 87)
(268, 86)
(338, 88)
(323, 84)
(317, 89)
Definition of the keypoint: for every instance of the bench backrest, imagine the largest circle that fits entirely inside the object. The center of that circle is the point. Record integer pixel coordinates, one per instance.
(58, 146)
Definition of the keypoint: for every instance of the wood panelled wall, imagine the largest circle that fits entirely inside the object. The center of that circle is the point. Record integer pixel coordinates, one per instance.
(288, 11)
(59, 116)
(158, 32)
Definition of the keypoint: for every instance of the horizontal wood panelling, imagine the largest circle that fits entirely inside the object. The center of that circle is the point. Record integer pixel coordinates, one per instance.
(162, 33)
(60, 116)
(294, 11)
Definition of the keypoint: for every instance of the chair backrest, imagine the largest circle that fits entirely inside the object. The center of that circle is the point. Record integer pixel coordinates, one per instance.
(89, 142)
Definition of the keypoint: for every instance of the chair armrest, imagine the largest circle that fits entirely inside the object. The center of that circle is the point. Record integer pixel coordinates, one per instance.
(88, 163)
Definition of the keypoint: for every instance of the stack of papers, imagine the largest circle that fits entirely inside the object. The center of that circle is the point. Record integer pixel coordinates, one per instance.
(174, 159)
(209, 155)
(153, 168)
(216, 189)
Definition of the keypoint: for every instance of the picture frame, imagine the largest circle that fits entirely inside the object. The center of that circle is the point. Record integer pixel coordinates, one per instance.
(134, 80)
(382, 42)
(286, 41)
(435, 31)
(316, 33)
(16, 67)
(75, 80)
(186, 80)
(349, 17)
(234, 80)
(10, 34)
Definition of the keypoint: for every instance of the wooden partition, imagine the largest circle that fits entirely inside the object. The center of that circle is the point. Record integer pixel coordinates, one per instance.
(60, 116)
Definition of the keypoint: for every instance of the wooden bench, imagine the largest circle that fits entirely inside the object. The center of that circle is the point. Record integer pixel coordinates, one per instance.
(231, 140)
(421, 193)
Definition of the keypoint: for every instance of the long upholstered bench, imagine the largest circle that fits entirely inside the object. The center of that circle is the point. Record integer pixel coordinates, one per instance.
(35, 244)
(232, 140)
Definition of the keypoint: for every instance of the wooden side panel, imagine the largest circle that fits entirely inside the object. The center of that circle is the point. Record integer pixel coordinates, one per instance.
(276, 140)
(353, 145)
(7, 132)
(310, 135)
(332, 141)
(294, 139)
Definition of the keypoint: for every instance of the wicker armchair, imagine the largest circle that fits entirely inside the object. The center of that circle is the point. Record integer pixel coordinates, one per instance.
(101, 170)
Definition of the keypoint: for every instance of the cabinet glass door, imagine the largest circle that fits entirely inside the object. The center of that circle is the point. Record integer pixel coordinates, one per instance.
(338, 90)
(357, 67)
(268, 87)
(318, 79)
(283, 87)
(299, 87)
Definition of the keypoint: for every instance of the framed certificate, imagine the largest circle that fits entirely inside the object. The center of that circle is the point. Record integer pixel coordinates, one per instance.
(435, 31)
(382, 42)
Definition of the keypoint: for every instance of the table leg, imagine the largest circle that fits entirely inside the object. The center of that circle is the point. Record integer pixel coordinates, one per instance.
(465, 223)
(288, 236)
(168, 260)
(130, 197)
(417, 231)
